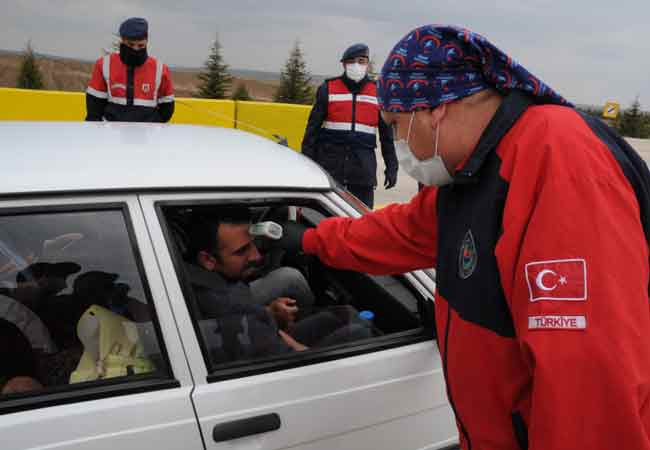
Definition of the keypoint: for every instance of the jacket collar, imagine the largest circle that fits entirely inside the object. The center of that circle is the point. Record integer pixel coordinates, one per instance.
(354, 86)
(204, 278)
(514, 104)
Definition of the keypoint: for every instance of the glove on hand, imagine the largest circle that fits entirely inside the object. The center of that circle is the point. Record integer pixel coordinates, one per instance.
(291, 239)
(390, 179)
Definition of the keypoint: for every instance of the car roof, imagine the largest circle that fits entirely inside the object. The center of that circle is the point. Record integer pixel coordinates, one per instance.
(47, 157)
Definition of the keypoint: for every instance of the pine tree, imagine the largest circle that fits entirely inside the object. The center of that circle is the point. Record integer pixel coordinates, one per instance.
(216, 80)
(631, 124)
(241, 93)
(645, 128)
(30, 75)
(295, 80)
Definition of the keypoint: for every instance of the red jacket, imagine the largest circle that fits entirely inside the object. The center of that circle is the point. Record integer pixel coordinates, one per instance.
(542, 306)
(151, 82)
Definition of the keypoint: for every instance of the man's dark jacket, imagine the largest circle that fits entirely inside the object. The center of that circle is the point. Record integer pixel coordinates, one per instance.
(347, 156)
(236, 328)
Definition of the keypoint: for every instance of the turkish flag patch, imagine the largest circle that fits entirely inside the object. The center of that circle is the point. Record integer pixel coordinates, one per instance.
(560, 279)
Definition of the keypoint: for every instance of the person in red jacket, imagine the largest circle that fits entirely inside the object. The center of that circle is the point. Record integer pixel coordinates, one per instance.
(536, 218)
(130, 86)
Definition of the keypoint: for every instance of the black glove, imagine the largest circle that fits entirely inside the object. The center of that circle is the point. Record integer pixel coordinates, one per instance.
(390, 179)
(291, 239)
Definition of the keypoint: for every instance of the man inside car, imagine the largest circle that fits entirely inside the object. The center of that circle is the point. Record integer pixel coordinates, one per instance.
(256, 316)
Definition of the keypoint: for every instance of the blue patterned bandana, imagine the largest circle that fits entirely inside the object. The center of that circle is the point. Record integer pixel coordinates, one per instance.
(437, 64)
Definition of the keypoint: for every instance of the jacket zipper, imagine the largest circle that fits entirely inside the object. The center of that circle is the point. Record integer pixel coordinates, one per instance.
(354, 111)
(447, 382)
(130, 85)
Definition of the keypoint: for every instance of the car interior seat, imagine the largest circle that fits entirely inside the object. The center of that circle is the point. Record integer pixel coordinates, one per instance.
(112, 347)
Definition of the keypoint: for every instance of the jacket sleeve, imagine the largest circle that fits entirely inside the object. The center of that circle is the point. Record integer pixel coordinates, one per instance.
(394, 239)
(316, 119)
(573, 261)
(95, 108)
(166, 96)
(238, 330)
(387, 146)
(166, 111)
(96, 93)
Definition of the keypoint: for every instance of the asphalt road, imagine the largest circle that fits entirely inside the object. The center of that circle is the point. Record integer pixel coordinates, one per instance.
(407, 187)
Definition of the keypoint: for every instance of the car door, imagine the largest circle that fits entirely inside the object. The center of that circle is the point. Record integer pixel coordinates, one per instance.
(387, 393)
(91, 356)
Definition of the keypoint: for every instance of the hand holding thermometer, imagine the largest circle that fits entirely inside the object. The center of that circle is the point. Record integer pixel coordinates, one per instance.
(267, 229)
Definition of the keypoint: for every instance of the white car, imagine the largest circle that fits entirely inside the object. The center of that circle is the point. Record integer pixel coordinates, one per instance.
(101, 340)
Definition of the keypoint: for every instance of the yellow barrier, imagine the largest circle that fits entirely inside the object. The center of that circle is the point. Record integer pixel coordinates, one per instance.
(26, 104)
(267, 119)
(203, 111)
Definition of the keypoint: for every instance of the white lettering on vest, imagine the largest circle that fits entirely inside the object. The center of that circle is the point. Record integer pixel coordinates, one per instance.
(557, 322)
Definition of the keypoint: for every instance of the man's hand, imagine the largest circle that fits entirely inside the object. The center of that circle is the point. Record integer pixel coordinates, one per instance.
(390, 179)
(291, 342)
(283, 310)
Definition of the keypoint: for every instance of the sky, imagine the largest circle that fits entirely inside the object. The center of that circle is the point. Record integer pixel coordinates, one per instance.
(590, 51)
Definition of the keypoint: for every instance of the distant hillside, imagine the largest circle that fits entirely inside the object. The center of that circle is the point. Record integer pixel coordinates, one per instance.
(69, 74)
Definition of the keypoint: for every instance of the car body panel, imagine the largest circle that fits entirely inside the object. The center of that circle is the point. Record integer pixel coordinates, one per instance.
(388, 399)
(102, 156)
(323, 402)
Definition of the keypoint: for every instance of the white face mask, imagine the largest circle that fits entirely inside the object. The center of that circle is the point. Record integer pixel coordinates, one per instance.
(356, 71)
(430, 172)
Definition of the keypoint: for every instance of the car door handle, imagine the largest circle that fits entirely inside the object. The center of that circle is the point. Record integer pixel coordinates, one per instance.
(246, 427)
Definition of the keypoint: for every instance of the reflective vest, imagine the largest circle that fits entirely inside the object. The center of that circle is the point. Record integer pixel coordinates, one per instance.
(151, 84)
(352, 112)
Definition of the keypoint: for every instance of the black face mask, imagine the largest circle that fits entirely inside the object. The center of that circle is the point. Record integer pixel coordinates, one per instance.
(132, 57)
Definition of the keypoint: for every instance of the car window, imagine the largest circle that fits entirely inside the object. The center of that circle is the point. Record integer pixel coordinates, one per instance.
(252, 302)
(74, 308)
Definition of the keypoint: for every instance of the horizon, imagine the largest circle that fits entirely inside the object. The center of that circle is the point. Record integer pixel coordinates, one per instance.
(236, 72)
(589, 52)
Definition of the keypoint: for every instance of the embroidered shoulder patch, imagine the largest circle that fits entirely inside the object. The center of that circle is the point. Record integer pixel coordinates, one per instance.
(559, 279)
(467, 257)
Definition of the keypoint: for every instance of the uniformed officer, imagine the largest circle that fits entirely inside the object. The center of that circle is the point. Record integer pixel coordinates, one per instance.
(130, 86)
(342, 131)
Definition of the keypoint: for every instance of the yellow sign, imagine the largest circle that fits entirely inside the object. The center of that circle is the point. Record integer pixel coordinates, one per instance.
(611, 110)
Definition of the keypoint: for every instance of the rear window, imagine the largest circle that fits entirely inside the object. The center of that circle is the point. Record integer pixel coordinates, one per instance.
(74, 308)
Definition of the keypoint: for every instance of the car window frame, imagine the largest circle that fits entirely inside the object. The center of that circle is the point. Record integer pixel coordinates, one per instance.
(245, 368)
(110, 387)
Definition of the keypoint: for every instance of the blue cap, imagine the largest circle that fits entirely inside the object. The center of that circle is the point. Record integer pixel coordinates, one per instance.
(355, 51)
(134, 28)
(368, 315)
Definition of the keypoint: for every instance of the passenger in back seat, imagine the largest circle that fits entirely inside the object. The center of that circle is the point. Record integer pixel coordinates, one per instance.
(18, 371)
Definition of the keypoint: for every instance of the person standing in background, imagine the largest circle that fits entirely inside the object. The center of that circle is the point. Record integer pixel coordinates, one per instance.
(341, 134)
(130, 86)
